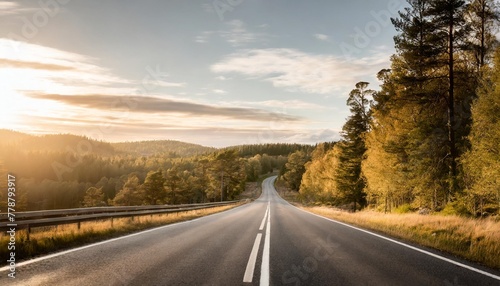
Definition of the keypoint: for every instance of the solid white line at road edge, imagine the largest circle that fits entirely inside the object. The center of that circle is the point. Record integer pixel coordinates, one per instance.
(410, 247)
(253, 258)
(264, 269)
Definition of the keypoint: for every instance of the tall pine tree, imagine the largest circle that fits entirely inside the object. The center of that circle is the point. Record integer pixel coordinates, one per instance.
(349, 179)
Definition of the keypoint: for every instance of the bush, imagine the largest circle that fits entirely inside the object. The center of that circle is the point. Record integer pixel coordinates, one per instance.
(403, 209)
(455, 208)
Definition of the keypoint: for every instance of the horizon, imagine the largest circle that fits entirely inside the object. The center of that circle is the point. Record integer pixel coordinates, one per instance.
(152, 140)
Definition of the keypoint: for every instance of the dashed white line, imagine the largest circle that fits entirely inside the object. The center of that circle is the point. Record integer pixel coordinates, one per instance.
(253, 258)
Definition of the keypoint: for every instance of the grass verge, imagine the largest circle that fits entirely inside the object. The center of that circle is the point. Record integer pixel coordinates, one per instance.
(476, 240)
(44, 240)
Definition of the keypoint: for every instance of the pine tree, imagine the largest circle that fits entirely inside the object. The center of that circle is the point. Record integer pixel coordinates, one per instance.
(253, 168)
(294, 169)
(349, 179)
(482, 162)
(449, 21)
(132, 193)
(227, 175)
(173, 182)
(94, 197)
(482, 16)
(386, 164)
(417, 102)
(154, 189)
(423, 112)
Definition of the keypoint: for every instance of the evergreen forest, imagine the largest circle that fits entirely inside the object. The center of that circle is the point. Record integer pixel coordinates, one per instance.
(429, 137)
(69, 171)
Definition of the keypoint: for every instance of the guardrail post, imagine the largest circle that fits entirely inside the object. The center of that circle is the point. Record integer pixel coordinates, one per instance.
(78, 225)
(111, 222)
(28, 230)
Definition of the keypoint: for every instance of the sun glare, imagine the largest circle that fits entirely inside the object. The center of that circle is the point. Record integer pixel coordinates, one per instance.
(16, 105)
(9, 115)
(25, 70)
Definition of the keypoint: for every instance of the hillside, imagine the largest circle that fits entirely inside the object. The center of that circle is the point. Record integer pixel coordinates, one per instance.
(168, 148)
(271, 149)
(10, 136)
(74, 144)
(53, 143)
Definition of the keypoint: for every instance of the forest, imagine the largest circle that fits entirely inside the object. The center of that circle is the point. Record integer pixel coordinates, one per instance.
(69, 171)
(428, 140)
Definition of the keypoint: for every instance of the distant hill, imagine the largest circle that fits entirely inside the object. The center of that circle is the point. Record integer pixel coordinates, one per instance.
(74, 143)
(271, 149)
(53, 143)
(169, 148)
(12, 137)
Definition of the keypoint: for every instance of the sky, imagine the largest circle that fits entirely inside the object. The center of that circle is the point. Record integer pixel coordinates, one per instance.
(211, 72)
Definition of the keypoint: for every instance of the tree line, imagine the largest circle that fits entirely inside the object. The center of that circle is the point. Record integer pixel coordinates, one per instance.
(68, 171)
(429, 137)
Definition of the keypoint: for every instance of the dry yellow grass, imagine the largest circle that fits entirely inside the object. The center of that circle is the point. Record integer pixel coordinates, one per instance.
(43, 240)
(473, 239)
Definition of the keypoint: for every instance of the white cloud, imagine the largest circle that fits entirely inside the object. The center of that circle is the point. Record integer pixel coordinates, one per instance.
(236, 34)
(13, 8)
(50, 90)
(322, 37)
(26, 68)
(221, 77)
(283, 104)
(170, 84)
(219, 91)
(297, 71)
(8, 7)
(36, 67)
(203, 38)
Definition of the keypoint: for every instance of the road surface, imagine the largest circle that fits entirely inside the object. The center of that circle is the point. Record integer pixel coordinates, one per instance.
(267, 242)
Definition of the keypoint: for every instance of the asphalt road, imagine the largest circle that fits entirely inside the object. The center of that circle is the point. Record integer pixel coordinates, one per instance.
(267, 242)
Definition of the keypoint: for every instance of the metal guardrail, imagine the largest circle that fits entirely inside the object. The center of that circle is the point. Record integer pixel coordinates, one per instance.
(27, 220)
